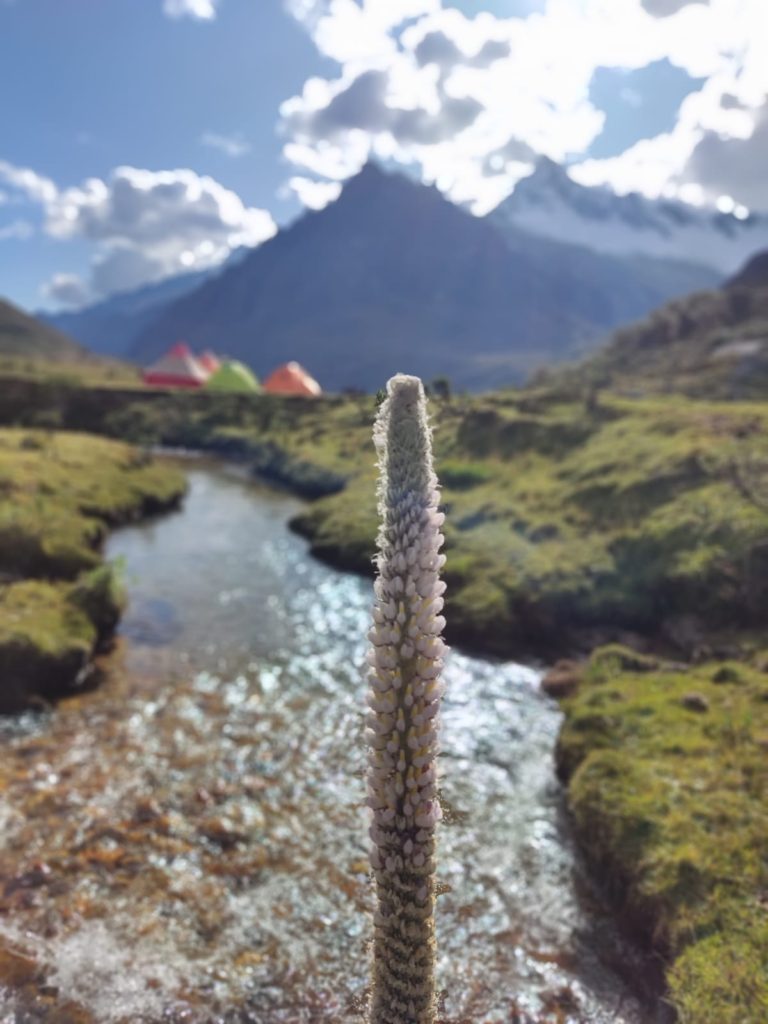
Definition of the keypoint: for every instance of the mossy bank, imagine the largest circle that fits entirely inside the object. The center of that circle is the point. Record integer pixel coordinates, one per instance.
(59, 602)
(570, 523)
(667, 774)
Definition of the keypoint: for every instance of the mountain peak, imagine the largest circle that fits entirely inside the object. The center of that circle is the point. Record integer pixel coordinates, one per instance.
(370, 182)
(548, 183)
(550, 204)
(376, 193)
(370, 171)
(549, 170)
(372, 177)
(547, 175)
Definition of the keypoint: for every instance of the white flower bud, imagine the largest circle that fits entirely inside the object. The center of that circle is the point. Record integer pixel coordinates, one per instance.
(404, 698)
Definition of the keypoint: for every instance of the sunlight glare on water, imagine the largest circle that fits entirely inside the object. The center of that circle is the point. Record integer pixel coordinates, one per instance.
(188, 843)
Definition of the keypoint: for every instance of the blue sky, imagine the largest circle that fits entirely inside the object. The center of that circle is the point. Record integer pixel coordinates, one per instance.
(88, 85)
(638, 104)
(143, 137)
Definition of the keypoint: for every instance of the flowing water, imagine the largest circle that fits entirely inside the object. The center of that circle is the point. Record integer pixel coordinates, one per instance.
(187, 843)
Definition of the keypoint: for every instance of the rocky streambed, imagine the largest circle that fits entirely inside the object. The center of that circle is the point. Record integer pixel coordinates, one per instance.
(187, 842)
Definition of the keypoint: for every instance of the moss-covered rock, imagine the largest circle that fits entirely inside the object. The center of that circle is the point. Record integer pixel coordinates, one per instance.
(607, 661)
(671, 805)
(59, 493)
(46, 643)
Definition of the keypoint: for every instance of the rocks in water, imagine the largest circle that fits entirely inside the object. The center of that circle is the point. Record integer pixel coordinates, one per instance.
(147, 810)
(152, 622)
(222, 831)
(39, 873)
(17, 969)
(564, 1003)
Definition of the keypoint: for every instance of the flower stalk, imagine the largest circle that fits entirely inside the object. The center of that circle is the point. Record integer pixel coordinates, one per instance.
(405, 660)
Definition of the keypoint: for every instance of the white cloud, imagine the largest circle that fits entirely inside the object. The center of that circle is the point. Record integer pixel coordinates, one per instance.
(718, 128)
(17, 229)
(28, 183)
(147, 225)
(440, 49)
(231, 145)
(66, 290)
(368, 103)
(665, 8)
(203, 10)
(122, 267)
(470, 100)
(732, 166)
(314, 194)
(157, 209)
(358, 34)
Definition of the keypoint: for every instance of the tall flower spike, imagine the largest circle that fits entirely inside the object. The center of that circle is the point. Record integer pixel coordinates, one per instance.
(404, 699)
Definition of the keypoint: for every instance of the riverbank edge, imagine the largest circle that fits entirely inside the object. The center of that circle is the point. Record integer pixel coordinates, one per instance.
(496, 638)
(643, 742)
(84, 613)
(567, 611)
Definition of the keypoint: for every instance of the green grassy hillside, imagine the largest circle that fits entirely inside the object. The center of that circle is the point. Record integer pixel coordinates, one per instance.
(32, 349)
(712, 344)
(23, 336)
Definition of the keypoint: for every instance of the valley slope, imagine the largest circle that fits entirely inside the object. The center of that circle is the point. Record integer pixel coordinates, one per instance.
(393, 277)
(712, 344)
(22, 336)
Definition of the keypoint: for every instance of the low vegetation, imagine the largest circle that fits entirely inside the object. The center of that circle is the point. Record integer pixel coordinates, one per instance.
(575, 519)
(668, 783)
(567, 527)
(570, 522)
(59, 493)
(95, 371)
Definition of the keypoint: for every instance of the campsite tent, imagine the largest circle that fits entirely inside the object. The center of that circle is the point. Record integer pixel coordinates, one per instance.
(209, 361)
(177, 369)
(291, 379)
(233, 376)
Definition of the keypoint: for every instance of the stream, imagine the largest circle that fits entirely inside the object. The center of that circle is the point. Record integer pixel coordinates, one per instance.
(187, 842)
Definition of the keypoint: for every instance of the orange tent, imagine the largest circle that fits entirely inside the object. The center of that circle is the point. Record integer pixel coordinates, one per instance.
(292, 379)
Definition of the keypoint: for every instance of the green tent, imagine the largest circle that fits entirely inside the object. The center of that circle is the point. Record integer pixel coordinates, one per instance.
(233, 376)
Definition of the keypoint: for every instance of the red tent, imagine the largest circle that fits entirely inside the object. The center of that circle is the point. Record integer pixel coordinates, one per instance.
(292, 379)
(177, 369)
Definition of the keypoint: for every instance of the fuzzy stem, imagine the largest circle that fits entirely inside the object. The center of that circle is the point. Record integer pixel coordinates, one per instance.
(404, 700)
